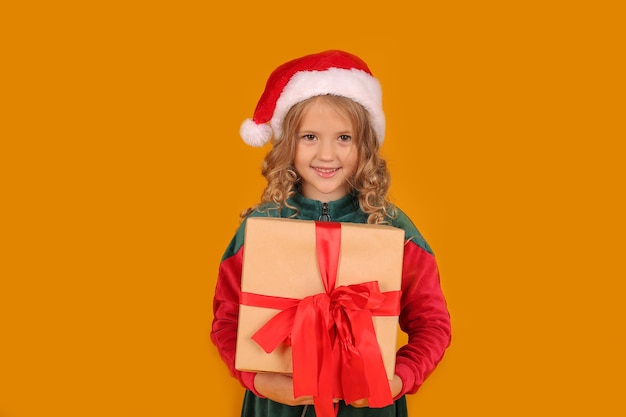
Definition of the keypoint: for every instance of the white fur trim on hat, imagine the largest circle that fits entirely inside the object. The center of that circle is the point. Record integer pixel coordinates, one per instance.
(350, 83)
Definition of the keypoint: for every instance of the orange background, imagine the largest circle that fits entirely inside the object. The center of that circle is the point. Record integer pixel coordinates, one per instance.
(123, 175)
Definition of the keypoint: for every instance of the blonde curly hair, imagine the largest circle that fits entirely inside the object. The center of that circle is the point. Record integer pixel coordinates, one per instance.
(370, 180)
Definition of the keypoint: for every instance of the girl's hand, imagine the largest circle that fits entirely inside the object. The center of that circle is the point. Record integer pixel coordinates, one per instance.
(396, 386)
(279, 388)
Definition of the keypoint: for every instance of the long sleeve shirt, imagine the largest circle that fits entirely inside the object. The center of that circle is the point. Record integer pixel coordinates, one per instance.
(423, 316)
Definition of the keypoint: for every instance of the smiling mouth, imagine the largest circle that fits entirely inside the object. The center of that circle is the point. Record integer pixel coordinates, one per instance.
(326, 170)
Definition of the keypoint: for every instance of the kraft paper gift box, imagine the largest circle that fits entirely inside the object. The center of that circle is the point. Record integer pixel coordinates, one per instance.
(280, 260)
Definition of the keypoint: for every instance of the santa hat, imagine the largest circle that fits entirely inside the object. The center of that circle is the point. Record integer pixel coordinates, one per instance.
(331, 72)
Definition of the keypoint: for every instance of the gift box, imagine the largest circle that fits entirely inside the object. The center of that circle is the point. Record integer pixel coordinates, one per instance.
(320, 300)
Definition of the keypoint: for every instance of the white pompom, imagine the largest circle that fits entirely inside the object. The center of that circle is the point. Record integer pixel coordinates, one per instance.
(254, 134)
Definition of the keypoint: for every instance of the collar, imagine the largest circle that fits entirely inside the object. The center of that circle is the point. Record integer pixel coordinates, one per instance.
(345, 209)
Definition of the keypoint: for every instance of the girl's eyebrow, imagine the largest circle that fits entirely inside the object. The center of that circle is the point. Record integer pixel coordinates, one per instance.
(315, 132)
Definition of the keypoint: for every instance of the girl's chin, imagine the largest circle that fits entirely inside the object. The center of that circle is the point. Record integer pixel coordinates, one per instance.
(324, 195)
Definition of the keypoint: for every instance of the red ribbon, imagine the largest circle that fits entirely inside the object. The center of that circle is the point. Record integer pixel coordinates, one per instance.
(335, 352)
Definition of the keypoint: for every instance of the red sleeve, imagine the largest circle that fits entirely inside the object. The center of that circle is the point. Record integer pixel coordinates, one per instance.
(226, 316)
(424, 317)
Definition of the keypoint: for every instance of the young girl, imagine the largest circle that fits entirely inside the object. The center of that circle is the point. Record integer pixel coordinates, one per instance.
(326, 125)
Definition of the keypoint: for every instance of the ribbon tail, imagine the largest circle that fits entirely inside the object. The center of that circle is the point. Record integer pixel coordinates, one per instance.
(353, 375)
(323, 402)
(324, 408)
(275, 331)
(304, 349)
(374, 367)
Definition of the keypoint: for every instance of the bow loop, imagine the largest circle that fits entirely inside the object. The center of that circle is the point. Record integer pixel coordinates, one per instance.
(365, 296)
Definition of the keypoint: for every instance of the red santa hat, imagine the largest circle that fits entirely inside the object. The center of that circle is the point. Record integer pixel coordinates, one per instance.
(330, 72)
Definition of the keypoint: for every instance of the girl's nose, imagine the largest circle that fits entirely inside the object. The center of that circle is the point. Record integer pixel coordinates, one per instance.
(326, 150)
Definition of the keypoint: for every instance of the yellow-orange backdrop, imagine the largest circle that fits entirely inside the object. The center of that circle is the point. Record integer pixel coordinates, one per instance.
(123, 175)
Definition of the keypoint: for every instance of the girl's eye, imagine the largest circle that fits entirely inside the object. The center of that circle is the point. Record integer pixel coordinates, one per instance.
(308, 137)
(345, 138)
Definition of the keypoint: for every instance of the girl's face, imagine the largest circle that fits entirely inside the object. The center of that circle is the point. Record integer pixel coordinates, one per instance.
(326, 152)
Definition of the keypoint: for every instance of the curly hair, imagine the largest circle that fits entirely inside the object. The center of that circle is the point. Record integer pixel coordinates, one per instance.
(370, 181)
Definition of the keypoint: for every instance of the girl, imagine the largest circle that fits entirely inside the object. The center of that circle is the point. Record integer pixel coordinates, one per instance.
(326, 124)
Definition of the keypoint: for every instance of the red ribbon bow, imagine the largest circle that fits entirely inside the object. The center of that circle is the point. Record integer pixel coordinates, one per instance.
(335, 352)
